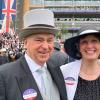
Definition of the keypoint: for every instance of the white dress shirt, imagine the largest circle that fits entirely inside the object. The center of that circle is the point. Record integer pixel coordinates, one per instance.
(33, 66)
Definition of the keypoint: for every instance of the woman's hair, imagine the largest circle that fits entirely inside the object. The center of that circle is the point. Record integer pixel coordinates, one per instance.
(96, 35)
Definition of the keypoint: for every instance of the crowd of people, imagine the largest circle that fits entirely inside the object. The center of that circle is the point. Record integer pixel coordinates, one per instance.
(10, 47)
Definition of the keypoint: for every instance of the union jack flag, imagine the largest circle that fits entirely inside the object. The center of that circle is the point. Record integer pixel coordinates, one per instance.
(8, 12)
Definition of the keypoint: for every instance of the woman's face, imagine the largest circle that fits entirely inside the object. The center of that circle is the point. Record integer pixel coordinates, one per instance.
(89, 47)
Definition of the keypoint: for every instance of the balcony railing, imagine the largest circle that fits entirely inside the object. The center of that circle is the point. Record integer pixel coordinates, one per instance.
(74, 3)
(76, 24)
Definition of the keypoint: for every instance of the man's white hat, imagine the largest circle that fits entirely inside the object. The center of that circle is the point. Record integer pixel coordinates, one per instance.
(38, 21)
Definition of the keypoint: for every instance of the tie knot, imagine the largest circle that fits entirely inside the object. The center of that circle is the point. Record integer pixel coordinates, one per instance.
(42, 70)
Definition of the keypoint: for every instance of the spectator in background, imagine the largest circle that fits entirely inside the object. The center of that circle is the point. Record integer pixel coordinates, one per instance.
(11, 56)
(58, 57)
(3, 56)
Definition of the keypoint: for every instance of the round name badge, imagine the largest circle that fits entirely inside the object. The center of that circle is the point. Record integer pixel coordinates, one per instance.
(29, 94)
(69, 81)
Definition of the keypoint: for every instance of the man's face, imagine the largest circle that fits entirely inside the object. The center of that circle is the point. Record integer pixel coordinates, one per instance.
(39, 47)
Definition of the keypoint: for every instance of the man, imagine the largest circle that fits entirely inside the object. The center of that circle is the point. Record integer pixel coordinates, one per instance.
(58, 58)
(3, 56)
(24, 79)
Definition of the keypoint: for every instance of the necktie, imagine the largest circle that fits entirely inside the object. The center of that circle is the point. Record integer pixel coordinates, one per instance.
(46, 82)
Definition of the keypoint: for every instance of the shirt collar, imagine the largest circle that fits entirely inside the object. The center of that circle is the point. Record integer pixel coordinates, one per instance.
(32, 64)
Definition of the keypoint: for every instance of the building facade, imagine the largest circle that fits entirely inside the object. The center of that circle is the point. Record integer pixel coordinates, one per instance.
(70, 15)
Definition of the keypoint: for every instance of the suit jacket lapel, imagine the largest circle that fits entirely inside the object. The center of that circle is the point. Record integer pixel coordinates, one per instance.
(58, 79)
(27, 81)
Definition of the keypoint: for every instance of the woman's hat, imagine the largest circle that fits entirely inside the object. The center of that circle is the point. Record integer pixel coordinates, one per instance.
(70, 44)
(38, 21)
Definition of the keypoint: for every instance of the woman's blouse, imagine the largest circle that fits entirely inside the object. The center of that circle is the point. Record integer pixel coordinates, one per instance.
(88, 90)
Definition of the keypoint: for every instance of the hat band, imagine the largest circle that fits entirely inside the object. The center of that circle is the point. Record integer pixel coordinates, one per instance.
(36, 25)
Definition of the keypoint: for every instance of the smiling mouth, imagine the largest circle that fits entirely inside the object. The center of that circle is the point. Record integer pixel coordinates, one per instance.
(44, 54)
(90, 51)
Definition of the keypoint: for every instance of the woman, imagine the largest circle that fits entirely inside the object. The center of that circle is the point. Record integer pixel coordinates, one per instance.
(82, 77)
(11, 56)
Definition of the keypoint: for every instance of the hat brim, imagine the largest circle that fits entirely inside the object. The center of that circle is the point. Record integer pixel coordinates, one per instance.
(70, 45)
(25, 32)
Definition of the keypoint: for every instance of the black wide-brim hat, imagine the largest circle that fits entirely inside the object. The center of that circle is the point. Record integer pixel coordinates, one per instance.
(70, 44)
